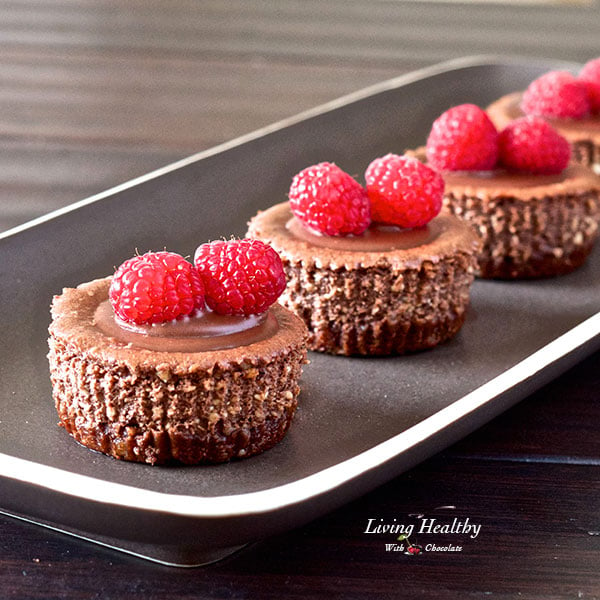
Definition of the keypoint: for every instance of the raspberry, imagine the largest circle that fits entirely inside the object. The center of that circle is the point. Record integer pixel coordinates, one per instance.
(154, 288)
(556, 94)
(403, 191)
(241, 277)
(590, 74)
(463, 139)
(531, 144)
(328, 200)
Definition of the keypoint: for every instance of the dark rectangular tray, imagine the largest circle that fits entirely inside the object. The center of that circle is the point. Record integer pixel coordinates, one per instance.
(360, 422)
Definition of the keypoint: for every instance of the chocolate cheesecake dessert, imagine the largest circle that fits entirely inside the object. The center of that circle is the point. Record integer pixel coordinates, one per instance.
(583, 133)
(390, 290)
(204, 387)
(536, 215)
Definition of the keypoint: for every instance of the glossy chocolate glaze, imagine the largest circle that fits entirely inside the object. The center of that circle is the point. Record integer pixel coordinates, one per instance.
(446, 235)
(376, 238)
(204, 332)
(574, 179)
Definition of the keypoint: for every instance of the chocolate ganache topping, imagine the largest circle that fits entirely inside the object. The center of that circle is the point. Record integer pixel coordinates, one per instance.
(574, 179)
(376, 238)
(445, 235)
(203, 332)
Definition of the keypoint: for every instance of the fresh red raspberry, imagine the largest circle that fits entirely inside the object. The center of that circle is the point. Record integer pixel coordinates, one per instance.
(463, 139)
(328, 200)
(403, 191)
(241, 277)
(532, 145)
(590, 74)
(556, 94)
(155, 288)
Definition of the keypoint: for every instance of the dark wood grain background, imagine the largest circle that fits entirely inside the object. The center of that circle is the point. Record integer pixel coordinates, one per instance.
(95, 92)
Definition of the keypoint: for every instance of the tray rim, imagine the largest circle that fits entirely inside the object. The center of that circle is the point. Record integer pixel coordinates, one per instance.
(382, 86)
(263, 501)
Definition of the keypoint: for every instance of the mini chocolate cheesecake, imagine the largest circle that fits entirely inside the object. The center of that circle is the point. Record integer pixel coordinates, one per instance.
(582, 134)
(389, 290)
(531, 225)
(203, 389)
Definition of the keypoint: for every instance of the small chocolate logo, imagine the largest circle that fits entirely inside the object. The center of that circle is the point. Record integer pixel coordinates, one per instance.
(411, 549)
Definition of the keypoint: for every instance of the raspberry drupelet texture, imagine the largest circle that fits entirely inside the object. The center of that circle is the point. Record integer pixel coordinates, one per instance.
(241, 277)
(556, 94)
(590, 74)
(532, 145)
(462, 139)
(155, 288)
(328, 200)
(403, 191)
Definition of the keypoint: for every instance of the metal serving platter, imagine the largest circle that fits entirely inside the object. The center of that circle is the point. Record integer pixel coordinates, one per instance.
(360, 422)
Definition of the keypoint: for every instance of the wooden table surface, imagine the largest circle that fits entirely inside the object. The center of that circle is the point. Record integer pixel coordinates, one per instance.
(95, 92)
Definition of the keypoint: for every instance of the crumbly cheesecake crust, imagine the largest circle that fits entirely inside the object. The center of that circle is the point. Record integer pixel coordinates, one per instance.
(374, 302)
(150, 406)
(531, 225)
(582, 134)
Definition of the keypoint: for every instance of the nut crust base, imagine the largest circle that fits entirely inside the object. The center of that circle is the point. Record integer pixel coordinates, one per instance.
(199, 418)
(543, 237)
(380, 310)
